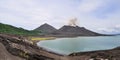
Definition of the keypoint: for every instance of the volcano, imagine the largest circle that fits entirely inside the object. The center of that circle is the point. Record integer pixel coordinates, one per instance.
(75, 31)
(46, 28)
(66, 31)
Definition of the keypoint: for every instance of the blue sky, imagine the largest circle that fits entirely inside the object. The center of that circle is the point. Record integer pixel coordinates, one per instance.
(101, 16)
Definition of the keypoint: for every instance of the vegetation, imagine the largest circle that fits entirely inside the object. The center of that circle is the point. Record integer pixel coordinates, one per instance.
(41, 38)
(8, 29)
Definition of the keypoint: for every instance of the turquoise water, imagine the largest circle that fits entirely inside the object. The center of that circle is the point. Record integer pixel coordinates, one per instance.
(66, 46)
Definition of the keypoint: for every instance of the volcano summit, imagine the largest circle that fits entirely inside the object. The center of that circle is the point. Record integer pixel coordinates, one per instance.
(72, 29)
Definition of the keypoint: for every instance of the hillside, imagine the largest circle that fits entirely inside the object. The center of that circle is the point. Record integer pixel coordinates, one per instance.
(66, 31)
(8, 29)
(75, 31)
(46, 28)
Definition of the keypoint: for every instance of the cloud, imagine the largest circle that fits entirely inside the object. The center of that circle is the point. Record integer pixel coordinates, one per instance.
(20, 13)
(89, 5)
(111, 30)
(92, 14)
(117, 26)
(107, 30)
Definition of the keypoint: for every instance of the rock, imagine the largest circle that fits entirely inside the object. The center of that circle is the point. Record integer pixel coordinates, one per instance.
(112, 54)
(12, 46)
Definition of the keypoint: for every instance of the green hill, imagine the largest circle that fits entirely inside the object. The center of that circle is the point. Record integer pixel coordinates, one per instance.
(8, 29)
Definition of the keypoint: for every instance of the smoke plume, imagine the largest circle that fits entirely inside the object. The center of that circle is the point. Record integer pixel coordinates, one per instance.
(72, 22)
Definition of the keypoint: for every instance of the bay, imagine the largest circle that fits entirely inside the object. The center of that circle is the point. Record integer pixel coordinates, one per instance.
(65, 46)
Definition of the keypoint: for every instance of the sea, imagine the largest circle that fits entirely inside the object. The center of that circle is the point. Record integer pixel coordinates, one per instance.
(66, 46)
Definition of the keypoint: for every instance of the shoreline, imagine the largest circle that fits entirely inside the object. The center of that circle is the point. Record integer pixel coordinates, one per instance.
(56, 37)
(49, 50)
(74, 53)
(112, 54)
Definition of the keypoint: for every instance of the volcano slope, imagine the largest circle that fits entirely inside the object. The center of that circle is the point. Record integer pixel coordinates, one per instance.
(75, 31)
(45, 28)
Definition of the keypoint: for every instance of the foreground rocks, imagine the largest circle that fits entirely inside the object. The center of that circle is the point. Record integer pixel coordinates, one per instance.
(113, 54)
(5, 55)
(16, 48)
(19, 48)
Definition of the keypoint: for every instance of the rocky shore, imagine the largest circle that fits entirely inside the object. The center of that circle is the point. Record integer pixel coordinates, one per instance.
(113, 54)
(20, 48)
(14, 47)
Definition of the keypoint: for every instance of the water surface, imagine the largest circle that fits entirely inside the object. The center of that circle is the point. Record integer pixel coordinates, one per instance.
(80, 44)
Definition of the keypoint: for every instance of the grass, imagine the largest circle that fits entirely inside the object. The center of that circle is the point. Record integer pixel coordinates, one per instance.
(9, 29)
(41, 38)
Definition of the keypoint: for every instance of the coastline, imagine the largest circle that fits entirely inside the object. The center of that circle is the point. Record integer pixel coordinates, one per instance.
(107, 54)
(39, 52)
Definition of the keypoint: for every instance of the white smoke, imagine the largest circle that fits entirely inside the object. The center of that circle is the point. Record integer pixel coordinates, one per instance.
(73, 22)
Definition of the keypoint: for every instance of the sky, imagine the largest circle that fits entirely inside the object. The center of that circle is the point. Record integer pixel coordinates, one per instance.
(101, 16)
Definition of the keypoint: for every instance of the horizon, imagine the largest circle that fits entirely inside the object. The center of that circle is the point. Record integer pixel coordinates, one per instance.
(101, 16)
